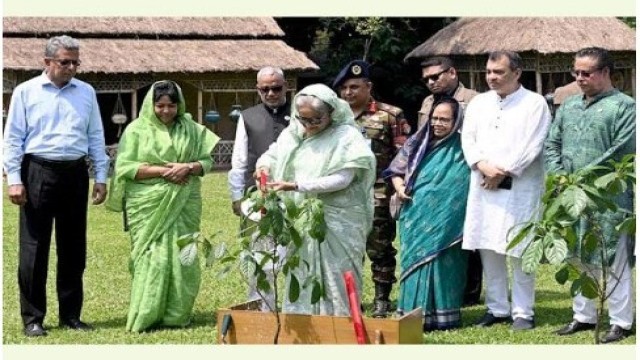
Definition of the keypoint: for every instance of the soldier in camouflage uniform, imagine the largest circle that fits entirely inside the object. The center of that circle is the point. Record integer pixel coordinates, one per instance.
(386, 129)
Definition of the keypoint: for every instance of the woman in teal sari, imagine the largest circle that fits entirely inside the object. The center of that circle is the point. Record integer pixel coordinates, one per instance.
(322, 154)
(161, 157)
(432, 179)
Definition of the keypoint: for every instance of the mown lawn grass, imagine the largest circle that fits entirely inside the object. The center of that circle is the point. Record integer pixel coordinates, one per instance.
(107, 283)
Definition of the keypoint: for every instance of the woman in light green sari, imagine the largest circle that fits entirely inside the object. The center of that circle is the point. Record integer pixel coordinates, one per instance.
(322, 154)
(161, 157)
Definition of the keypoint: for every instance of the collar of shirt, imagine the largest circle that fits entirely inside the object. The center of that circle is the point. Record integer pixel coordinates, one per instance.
(598, 97)
(507, 100)
(45, 81)
(279, 110)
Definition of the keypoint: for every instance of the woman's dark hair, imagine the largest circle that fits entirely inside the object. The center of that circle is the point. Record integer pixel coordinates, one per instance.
(455, 105)
(168, 88)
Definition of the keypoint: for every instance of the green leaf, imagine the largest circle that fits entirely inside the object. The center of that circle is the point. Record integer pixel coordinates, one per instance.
(521, 235)
(588, 286)
(532, 256)
(557, 250)
(185, 240)
(627, 226)
(603, 181)
(188, 254)
(295, 236)
(206, 248)
(574, 200)
(589, 243)
(601, 200)
(294, 288)
(292, 209)
(562, 275)
(570, 236)
(316, 292)
(575, 287)
(263, 284)
(574, 272)
(221, 249)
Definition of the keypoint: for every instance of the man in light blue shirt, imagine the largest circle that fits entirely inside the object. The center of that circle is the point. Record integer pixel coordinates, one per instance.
(53, 124)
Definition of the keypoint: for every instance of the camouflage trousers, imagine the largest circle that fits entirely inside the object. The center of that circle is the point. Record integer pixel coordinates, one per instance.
(380, 248)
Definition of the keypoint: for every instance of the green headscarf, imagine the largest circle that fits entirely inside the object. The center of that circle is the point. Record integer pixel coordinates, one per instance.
(149, 141)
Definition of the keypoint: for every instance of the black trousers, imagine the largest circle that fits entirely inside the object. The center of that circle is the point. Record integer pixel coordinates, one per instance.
(56, 190)
(474, 278)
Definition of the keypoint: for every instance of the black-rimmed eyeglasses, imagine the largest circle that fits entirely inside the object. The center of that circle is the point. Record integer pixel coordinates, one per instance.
(441, 120)
(66, 62)
(309, 121)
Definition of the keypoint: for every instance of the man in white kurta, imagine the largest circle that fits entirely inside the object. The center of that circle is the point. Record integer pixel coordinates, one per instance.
(502, 139)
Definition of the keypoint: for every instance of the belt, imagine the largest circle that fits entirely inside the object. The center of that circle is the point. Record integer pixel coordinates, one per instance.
(56, 164)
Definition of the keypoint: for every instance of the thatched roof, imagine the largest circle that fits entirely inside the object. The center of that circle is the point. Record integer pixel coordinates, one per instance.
(474, 36)
(143, 56)
(161, 27)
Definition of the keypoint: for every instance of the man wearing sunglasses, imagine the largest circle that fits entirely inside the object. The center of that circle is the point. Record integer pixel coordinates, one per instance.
(258, 127)
(386, 129)
(53, 124)
(591, 129)
(441, 78)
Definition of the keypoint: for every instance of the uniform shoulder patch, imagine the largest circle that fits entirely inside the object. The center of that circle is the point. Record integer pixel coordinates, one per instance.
(393, 110)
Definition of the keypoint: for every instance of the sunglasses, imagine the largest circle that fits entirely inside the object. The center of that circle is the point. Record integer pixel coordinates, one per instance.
(266, 89)
(309, 121)
(66, 62)
(584, 74)
(434, 77)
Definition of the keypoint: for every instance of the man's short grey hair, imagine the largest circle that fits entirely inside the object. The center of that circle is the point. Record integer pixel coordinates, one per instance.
(515, 61)
(316, 104)
(57, 42)
(270, 70)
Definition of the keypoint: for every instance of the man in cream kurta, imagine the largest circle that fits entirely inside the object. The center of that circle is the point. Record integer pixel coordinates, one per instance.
(502, 140)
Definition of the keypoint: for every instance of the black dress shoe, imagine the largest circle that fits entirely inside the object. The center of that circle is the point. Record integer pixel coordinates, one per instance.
(523, 324)
(488, 319)
(573, 327)
(615, 333)
(34, 330)
(76, 324)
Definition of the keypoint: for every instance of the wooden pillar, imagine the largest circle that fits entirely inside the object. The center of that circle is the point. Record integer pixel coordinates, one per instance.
(539, 82)
(134, 104)
(200, 106)
(633, 82)
(472, 80)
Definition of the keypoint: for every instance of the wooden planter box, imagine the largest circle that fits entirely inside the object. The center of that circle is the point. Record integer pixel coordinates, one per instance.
(251, 326)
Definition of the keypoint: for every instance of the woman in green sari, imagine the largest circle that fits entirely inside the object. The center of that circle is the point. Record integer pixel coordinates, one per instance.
(161, 157)
(322, 154)
(432, 179)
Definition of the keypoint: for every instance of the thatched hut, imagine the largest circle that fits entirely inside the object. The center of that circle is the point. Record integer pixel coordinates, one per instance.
(546, 44)
(214, 59)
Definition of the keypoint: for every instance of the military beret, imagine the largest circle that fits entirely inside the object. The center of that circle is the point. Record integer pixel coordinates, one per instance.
(354, 70)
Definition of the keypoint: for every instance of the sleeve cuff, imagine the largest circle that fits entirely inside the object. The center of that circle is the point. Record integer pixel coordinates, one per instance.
(14, 179)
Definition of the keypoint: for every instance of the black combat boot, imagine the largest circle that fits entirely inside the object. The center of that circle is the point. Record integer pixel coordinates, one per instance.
(381, 302)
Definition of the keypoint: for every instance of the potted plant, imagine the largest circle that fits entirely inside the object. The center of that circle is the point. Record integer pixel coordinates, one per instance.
(286, 224)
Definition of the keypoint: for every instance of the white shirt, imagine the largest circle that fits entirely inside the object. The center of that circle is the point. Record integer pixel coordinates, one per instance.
(238, 162)
(508, 133)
